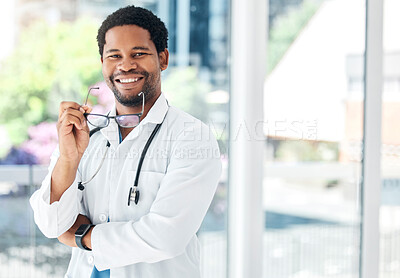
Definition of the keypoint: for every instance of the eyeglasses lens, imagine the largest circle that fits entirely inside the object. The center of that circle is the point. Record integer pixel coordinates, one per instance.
(128, 120)
(97, 120)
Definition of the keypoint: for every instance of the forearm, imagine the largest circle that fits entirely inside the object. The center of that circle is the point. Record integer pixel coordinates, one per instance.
(68, 238)
(62, 177)
(73, 134)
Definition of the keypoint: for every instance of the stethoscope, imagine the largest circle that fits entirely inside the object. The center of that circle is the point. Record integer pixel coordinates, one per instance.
(133, 191)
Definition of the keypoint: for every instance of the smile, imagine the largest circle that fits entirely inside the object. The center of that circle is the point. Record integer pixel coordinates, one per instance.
(128, 80)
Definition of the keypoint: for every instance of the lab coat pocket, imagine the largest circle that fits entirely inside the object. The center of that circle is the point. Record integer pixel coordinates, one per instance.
(149, 183)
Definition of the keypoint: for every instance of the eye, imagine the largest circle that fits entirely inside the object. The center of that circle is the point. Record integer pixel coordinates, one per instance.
(139, 54)
(114, 56)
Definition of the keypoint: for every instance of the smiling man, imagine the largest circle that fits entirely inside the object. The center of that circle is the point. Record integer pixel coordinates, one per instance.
(129, 190)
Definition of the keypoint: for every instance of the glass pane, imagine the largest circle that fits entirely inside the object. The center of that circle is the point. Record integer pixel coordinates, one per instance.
(313, 113)
(25, 252)
(96, 120)
(128, 121)
(50, 54)
(390, 162)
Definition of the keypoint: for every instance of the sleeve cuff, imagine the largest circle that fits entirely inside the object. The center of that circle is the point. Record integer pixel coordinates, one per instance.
(56, 218)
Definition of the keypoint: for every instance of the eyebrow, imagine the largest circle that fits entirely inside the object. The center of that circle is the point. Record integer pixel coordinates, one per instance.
(140, 48)
(133, 48)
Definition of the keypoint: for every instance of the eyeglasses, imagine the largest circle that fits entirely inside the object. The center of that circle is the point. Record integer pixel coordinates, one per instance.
(127, 120)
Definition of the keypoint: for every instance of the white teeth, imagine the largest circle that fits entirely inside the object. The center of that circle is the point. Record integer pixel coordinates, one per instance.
(130, 80)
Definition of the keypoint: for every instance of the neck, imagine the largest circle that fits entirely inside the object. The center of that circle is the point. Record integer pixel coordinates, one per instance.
(123, 110)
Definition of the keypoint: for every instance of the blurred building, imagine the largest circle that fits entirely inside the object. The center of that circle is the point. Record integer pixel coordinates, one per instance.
(198, 29)
(330, 93)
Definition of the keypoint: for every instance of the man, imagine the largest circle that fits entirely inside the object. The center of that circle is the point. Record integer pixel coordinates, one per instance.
(89, 197)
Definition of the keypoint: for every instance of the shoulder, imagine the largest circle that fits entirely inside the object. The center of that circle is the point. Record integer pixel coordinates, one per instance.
(192, 142)
(178, 115)
(186, 127)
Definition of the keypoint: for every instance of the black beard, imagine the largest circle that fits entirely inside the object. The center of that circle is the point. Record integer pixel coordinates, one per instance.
(149, 89)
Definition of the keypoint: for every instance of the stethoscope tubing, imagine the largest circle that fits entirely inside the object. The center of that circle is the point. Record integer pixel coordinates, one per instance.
(142, 157)
(144, 153)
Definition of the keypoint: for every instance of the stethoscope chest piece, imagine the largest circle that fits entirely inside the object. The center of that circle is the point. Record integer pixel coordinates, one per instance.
(133, 195)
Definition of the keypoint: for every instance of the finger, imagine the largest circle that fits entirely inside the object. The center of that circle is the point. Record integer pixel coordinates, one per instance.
(68, 120)
(74, 112)
(67, 104)
(87, 108)
(71, 121)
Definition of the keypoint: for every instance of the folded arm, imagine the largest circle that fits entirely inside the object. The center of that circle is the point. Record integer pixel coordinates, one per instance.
(68, 238)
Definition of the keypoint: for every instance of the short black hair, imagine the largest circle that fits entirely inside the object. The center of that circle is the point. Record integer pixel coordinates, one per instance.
(141, 17)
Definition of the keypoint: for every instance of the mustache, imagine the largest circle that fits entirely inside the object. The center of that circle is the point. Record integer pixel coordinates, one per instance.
(122, 73)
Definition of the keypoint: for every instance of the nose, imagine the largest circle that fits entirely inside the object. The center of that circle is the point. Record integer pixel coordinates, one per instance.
(126, 64)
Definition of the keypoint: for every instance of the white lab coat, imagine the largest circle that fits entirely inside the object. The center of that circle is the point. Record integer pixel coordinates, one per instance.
(157, 237)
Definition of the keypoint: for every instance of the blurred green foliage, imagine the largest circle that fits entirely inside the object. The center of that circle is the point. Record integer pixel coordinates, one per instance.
(285, 30)
(186, 91)
(50, 63)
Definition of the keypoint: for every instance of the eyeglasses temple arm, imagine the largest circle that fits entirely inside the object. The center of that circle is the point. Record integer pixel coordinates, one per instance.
(87, 97)
(141, 93)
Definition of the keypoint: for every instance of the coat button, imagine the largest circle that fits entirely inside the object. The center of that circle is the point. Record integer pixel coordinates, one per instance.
(90, 259)
(103, 217)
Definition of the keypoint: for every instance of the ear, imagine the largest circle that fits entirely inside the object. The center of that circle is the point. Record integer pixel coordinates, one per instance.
(164, 59)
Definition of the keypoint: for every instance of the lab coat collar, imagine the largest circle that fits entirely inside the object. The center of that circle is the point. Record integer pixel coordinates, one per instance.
(155, 116)
(157, 112)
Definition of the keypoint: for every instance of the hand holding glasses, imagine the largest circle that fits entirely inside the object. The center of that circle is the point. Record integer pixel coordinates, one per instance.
(127, 120)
